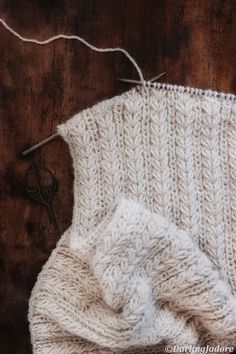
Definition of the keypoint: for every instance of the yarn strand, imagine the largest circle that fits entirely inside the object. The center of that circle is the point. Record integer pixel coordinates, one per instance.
(78, 38)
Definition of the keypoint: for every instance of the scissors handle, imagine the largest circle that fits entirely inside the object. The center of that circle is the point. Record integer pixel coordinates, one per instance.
(41, 191)
(52, 215)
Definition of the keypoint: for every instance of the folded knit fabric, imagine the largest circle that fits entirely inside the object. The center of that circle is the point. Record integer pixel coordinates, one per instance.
(157, 266)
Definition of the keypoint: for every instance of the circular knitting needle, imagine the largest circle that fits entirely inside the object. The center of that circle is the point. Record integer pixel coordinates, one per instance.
(41, 186)
(53, 136)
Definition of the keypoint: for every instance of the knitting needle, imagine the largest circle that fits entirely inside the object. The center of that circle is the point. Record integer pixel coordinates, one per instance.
(51, 137)
(41, 143)
(129, 81)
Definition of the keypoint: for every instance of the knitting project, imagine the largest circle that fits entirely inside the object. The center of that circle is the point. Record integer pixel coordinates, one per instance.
(150, 256)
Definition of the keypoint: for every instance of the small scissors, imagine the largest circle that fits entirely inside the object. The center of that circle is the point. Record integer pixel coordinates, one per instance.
(41, 186)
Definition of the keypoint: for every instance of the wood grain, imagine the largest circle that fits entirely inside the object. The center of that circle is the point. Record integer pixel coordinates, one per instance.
(41, 86)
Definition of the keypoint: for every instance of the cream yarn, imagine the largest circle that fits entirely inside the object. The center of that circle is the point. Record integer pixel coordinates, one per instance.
(150, 256)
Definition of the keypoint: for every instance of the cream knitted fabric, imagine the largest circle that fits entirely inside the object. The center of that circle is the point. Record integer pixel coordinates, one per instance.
(150, 257)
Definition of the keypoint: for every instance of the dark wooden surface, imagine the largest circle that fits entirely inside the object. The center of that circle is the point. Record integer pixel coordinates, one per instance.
(41, 86)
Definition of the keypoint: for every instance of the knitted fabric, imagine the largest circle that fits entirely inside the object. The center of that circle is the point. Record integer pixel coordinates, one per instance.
(150, 256)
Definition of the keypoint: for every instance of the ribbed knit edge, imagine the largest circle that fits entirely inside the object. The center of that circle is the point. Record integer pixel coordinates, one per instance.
(64, 130)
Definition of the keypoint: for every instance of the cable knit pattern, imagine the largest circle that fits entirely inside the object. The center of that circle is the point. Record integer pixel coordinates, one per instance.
(150, 256)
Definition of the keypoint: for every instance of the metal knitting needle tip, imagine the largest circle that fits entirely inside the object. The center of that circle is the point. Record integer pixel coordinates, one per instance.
(158, 77)
(130, 81)
(41, 143)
